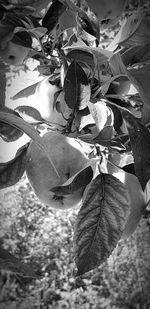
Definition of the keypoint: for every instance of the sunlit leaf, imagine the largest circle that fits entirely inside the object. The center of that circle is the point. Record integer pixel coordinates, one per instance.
(128, 28)
(100, 222)
(29, 113)
(101, 113)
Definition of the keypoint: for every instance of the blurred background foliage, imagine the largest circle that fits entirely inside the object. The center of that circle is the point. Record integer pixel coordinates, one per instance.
(43, 237)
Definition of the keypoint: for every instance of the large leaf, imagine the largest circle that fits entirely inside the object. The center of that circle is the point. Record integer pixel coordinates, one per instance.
(140, 77)
(51, 18)
(76, 86)
(135, 54)
(140, 143)
(140, 36)
(12, 171)
(128, 28)
(100, 222)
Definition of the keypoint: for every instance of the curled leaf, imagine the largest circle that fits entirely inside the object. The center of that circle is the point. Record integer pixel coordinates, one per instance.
(82, 179)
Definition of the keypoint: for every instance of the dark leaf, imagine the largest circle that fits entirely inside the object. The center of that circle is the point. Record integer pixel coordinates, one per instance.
(7, 132)
(12, 171)
(22, 38)
(100, 222)
(90, 23)
(51, 18)
(89, 55)
(140, 143)
(29, 113)
(76, 86)
(129, 168)
(82, 56)
(82, 179)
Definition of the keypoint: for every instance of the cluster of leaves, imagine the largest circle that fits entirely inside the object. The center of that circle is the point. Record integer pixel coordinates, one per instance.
(95, 83)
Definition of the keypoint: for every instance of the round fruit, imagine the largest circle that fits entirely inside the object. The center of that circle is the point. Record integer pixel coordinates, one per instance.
(68, 157)
(14, 54)
(138, 197)
(106, 9)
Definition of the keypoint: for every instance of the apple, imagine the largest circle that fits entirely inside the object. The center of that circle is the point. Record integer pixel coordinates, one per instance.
(68, 157)
(14, 54)
(138, 198)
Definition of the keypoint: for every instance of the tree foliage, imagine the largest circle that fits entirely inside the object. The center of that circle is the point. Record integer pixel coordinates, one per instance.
(101, 97)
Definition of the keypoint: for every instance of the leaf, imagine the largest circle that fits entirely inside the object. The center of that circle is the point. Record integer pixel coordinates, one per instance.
(22, 38)
(12, 171)
(7, 132)
(129, 168)
(26, 92)
(135, 54)
(90, 23)
(82, 56)
(140, 143)
(140, 36)
(101, 113)
(140, 77)
(93, 55)
(82, 179)
(29, 113)
(76, 86)
(51, 18)
(117, 66)
(129, 26)
(100, 222)
(68, 19)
